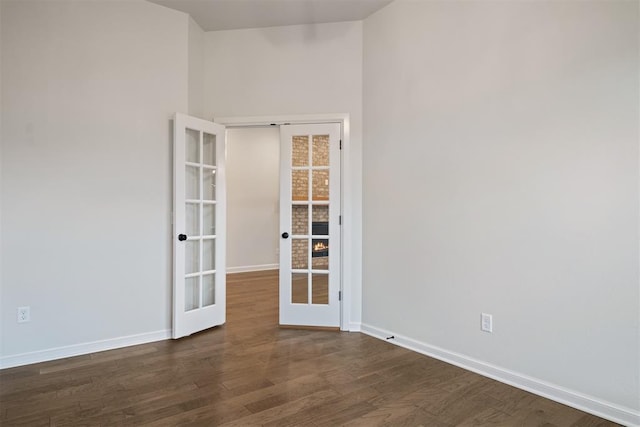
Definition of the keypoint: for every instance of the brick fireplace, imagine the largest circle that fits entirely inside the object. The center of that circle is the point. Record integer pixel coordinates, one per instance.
(319, 227)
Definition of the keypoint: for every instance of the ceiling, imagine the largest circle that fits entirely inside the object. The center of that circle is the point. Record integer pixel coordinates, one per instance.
(214, 15)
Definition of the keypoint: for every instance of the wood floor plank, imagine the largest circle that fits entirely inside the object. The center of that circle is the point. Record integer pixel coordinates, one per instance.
(416, 417)
(251, 372)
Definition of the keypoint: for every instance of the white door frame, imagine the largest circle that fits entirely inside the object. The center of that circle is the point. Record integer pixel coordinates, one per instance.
(346, 188)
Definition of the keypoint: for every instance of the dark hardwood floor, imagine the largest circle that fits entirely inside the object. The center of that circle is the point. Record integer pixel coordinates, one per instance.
(250, 372)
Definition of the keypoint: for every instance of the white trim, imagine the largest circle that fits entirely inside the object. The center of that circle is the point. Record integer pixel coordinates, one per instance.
(248, 268)
(348, 244)
(281, 120)
(590, 404)
(355, 327)
(80, 349)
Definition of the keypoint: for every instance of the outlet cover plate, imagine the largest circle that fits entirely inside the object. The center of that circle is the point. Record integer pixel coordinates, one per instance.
(24, 314)
(486, 322)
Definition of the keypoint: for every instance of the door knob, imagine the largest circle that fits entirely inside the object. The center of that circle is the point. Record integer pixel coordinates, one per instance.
(285, 235)
(182, 237)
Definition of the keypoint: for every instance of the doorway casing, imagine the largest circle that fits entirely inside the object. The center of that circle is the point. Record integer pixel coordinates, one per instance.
(346, 189)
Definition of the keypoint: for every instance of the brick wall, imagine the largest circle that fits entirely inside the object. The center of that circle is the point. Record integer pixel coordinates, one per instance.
(319, 178)
(300, 192)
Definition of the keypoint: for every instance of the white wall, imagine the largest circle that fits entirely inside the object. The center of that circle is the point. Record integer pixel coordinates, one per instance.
(501, 176)
(88, 91)
(196, 69)
(253, 197)
(301, 69)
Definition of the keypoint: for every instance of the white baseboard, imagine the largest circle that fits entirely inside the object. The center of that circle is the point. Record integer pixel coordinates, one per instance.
(249, 268)
(625, 416)
(354, 327)
(80, 349)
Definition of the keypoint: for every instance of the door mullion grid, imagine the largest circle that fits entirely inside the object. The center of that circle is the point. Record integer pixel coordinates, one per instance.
(200, 214)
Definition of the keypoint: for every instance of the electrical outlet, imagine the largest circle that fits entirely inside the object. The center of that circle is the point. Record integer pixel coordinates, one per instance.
(486, 322)
(24, 314)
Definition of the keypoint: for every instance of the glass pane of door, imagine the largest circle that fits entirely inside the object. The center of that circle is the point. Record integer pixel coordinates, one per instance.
(320, 185)
(192, 215)
(299, 288)
(209, 220)
(192, 183)
(299, 254)
(208, 254)
(191, 293)
(192, 146)
(208, 289)
(192, 256)
(300, 219)
(320, 150)
(300, 150)
(209, 149)
(300, 187)
(320, 288)
(209, 184)
(320, 254)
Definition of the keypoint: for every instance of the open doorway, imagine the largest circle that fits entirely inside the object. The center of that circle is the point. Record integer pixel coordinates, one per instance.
(323, 136)
(253, 186)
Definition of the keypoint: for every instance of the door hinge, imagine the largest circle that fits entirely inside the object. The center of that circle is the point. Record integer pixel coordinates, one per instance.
(340, 220)
(339, 295)
(341, 144)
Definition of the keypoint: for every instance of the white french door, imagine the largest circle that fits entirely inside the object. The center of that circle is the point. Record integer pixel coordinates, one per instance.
(199, 225)
(310, 225)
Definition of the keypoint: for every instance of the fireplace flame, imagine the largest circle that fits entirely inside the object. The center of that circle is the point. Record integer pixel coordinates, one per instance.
(320, 246)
